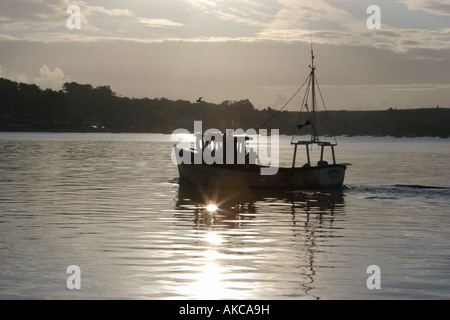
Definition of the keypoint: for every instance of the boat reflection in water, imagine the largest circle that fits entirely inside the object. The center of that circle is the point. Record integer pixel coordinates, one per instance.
(256, 240)
(230, 203)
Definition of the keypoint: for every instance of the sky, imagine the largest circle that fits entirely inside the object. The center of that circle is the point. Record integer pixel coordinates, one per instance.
(235, 49)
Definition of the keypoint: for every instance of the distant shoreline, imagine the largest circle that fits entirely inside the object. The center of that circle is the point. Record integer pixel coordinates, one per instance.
(384, 123)
(370, 130)
(84, 108)
(169, 133)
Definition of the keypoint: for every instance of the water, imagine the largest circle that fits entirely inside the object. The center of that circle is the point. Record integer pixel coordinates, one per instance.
(111, 204)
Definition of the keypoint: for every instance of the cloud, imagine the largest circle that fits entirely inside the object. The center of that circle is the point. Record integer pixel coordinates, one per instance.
(44, 14)
(92, 13)
(331, 25)
(159, 23)
(288, 21)
(13, 12)
(249, 12)
(48, 78)
(109, 12)
(441, 7)
(297, 14)
(234, 20)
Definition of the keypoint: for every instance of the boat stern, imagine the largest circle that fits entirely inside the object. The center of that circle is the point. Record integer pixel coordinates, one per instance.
(331, 176)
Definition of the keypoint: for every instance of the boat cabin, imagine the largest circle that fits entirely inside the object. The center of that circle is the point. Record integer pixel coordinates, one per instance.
(321, 144)
(223, 149)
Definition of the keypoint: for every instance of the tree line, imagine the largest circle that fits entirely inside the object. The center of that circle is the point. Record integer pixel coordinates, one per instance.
(85, 108)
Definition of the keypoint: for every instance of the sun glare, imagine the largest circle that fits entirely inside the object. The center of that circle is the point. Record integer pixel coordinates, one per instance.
(211, 208)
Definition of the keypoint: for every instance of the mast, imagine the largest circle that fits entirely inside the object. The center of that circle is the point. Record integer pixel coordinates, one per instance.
(313, 97)
(313, 89)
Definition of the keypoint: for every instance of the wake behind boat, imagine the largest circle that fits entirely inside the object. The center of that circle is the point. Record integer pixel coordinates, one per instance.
(237, 163)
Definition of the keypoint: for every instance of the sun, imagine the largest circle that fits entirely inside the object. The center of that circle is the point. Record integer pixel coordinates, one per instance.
(211, 208)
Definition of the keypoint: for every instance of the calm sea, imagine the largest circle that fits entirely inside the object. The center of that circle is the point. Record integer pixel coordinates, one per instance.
(111, 205)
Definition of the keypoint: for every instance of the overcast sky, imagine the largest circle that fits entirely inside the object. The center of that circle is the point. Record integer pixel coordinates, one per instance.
(235, 49)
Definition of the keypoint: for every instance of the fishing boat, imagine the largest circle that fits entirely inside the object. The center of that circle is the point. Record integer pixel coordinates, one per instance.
(322, 173)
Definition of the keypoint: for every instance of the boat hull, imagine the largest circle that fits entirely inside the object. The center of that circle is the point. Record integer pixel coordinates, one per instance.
(327, 176)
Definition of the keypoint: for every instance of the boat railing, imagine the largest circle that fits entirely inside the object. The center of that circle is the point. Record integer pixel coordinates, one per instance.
(321, 144)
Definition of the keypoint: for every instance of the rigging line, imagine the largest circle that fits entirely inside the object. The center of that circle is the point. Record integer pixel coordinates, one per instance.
(305, 98)
(322, 121)
(326, 112)
(274, 115)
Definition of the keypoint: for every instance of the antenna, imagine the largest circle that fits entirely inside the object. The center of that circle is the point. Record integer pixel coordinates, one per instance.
(310, 36)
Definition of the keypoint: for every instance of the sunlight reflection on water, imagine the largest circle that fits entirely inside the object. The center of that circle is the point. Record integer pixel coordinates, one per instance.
(112, 205)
